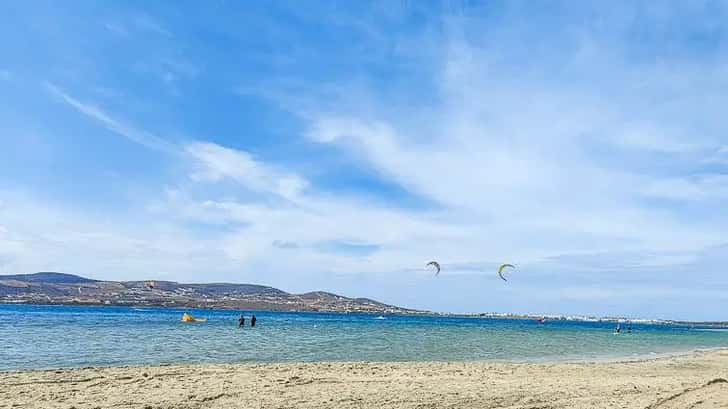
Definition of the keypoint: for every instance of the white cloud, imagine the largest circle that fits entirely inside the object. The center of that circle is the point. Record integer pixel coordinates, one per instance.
(215, 162)
(514, 188)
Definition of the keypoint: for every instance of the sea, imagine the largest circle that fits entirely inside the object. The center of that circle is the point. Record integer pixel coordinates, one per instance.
(35, 336)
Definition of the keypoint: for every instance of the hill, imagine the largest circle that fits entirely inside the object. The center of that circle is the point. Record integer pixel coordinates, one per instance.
(60, 288)
(48, 277)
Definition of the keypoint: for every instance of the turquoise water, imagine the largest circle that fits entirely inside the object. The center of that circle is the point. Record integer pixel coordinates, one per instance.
(60, 336)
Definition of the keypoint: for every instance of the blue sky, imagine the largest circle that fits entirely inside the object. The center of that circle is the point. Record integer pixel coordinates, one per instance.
(341, 146)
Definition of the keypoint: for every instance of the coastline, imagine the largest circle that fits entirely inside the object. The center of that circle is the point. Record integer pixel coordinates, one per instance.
(696, 379)
(630, 359)
(400, 311)
(547, 361)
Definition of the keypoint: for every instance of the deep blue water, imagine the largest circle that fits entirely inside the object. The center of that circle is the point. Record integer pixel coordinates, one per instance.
(66, 336)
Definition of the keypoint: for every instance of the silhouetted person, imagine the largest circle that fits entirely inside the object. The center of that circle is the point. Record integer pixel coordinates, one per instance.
(252, 321)
(241, 321)
(629, 328)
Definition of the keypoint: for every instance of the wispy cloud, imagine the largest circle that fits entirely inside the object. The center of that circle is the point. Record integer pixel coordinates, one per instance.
(168, 70)
(695, 188)
(653, 138)
(211, 162)
(718, 156)
(147, 22)
(139, 136)
(117, 28)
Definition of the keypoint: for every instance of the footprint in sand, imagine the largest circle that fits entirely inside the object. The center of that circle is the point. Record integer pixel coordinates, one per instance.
(712, 395)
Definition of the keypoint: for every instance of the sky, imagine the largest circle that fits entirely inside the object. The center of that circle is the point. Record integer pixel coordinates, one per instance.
(341, 146)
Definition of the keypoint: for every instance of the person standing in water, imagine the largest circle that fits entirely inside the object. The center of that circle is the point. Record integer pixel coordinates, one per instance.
(252, 320)
(618, 329)
(241, 321)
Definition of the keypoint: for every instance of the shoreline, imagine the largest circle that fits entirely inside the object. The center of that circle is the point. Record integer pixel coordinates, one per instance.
(568, 361)
(695, 380)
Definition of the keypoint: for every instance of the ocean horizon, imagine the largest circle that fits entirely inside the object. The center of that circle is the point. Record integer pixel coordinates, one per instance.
(44, 336)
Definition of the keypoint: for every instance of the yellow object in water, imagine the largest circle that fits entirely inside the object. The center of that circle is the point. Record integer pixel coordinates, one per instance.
(188, 318)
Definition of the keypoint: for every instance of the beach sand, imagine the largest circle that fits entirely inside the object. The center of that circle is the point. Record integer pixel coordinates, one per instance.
(696, 380)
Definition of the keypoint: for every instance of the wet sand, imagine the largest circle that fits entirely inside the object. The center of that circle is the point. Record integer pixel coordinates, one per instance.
(696, 380)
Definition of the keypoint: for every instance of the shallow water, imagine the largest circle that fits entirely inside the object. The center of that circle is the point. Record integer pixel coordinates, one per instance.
(65, 336)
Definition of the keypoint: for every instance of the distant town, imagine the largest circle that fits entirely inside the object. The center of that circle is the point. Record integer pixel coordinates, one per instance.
(584, 318)
(68, 289)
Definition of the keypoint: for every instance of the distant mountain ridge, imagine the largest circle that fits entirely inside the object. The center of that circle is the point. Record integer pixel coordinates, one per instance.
(48, 277)
(61, 288)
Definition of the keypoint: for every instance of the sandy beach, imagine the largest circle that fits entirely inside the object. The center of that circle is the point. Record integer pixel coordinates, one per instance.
(696, 380)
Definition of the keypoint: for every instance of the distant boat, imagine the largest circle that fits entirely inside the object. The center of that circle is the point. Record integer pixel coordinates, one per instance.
(380, 318)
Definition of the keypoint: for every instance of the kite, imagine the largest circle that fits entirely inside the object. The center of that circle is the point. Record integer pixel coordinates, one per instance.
(500, 270)
(436, 264)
